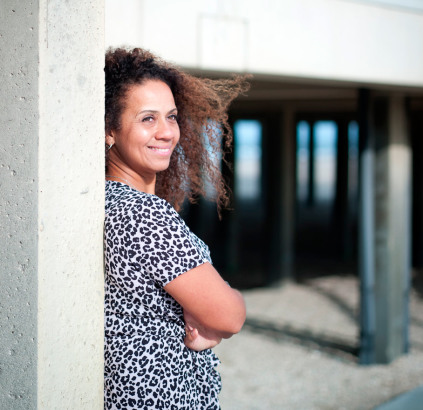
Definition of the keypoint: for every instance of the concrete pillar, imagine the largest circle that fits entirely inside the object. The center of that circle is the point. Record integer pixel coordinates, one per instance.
(52, 204)
(281, 220)
(385, 232)
(392, 227)
(366, 252)
(340, 206)
(288, 181)
(417, 133)
(18, 205)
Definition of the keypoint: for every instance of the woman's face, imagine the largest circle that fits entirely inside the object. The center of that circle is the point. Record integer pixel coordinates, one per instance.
(149, 129)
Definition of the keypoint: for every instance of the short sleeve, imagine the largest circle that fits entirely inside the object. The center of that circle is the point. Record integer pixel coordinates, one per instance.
(167, 248)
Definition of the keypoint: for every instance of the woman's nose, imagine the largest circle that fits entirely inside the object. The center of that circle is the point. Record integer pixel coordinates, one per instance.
(165, 130)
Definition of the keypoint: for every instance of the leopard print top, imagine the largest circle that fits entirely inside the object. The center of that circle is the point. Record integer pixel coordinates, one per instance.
(147, 365)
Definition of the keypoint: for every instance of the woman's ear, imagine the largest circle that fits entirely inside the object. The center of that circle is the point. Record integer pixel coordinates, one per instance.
(110, 139)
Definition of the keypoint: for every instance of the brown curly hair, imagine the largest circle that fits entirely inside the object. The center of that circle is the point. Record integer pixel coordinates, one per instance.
(202, 117)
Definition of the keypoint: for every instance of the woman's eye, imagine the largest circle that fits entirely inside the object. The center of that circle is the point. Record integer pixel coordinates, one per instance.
(147, 119)
(173, 117)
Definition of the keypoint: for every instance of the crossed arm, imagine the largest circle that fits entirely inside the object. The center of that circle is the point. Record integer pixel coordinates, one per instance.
(212, 310)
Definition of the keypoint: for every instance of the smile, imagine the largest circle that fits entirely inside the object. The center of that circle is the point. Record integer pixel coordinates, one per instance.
(161, 150)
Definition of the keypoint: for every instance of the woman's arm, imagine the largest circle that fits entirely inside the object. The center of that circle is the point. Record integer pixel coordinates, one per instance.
(197, 337)
(218, 309)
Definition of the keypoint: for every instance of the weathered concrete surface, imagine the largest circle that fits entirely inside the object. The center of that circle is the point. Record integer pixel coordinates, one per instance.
(18, 203)
(51, 204)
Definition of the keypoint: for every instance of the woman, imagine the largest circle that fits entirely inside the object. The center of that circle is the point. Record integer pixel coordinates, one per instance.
(165, 304)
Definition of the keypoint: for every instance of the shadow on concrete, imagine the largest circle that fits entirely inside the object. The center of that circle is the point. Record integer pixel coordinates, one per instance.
(328, 344)
(337, 300)
(416, 322)
(417, 281)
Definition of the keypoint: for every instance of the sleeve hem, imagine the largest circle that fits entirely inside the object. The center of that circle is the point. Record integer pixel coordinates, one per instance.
(171, 278)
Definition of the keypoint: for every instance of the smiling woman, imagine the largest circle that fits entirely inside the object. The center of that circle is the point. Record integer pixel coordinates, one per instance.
(165, 304)
(148, 134)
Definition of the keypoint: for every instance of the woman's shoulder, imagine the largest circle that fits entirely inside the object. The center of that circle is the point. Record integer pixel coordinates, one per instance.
(135, 211)
(122, 198)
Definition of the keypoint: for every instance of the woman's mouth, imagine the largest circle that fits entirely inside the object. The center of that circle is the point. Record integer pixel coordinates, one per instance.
(162, 151)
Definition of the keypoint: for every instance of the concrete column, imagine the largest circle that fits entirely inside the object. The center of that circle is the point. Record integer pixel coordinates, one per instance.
(417, 132)
(52, 204)
(281, 220)
(392, 227)
(385, 231)
(287, 203)
(18, 204)
(340, 207)
(366, 252)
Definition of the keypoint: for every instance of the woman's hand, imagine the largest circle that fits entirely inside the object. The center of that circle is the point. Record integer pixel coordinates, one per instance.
(198, 337)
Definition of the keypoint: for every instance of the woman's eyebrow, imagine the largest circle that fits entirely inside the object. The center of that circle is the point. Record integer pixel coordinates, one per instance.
(147, 111)
(155, 111)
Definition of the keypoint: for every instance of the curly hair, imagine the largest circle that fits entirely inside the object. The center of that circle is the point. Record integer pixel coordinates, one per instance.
(202, 118)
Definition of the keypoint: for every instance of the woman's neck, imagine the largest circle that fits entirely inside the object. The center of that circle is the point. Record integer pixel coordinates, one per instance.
(131, 178)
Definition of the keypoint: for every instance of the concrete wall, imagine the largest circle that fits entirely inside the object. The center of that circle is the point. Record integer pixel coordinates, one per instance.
(18, 204)
(52, 204)
(377, 42)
